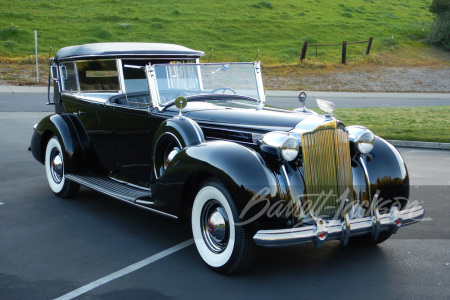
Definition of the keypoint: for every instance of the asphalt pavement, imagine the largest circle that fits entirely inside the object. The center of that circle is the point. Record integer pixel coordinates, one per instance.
(34, 99)
(106, 249)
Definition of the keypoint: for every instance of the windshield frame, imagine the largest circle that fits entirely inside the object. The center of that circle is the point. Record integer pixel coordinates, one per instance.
(155, 96)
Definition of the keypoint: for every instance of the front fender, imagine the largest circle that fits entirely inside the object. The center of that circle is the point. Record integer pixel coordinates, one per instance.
(387, 175)
(240, 169)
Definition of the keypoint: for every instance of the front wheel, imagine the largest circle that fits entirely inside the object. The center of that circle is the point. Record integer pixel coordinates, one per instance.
(223, 246)
(55, 170)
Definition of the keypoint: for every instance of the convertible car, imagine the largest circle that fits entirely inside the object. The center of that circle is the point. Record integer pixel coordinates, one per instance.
(150, 125)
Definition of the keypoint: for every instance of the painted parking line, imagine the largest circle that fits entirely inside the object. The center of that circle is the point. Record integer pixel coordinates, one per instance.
(1, 203)
(125, 271)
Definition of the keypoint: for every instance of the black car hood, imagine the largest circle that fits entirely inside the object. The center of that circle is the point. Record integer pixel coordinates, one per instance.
(261, 120)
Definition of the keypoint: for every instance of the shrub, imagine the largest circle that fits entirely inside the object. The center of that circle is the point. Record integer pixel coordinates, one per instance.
(440, 6)
(440, 31)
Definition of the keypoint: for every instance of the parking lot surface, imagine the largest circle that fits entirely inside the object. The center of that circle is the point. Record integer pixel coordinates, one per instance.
(51, 247)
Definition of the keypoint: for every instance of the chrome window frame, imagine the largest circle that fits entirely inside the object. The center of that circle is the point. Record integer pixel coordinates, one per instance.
(61, 79)
(100, 59)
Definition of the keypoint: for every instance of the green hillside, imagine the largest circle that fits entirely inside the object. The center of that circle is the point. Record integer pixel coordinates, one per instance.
(234, 29)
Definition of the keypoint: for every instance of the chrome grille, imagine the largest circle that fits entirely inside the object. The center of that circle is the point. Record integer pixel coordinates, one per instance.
(327, 167)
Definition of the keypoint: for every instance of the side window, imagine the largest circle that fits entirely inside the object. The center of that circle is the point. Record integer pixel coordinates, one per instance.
(68, 77)
(134, 78)
(98, 75)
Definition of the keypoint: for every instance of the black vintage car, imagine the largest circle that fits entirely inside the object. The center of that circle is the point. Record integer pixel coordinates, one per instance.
(149, 125)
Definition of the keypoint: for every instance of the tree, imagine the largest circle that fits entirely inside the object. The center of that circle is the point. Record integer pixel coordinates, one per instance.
(440, 31)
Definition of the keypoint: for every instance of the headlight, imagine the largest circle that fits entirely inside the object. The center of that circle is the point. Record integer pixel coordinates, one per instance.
(362, 137)
(280, 144)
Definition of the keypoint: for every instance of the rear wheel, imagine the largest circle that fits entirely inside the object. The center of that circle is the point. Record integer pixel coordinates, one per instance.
(223, 246)
(55, 170)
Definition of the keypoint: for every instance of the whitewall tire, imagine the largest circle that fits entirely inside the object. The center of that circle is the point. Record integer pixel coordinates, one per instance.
(223, 246)
(55, 170)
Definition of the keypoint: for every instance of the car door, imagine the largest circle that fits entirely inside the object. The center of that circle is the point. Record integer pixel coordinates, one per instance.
(89, 103)
(134, 129)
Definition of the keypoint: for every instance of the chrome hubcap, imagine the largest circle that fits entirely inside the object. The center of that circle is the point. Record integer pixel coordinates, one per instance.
(56, 165)
(170, 156)
(215, 227)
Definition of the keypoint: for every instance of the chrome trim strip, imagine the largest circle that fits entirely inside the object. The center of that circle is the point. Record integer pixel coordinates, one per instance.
(119, 67)
(227, 140)
(260, 86)
(130, 184)
(335, 229)
(154, 210)
(138, 201)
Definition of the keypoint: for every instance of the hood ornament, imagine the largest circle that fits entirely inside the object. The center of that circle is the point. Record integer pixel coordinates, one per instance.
(327, 106)
(302, 99)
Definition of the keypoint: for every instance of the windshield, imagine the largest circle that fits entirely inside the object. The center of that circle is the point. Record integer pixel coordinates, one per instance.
(239, 80)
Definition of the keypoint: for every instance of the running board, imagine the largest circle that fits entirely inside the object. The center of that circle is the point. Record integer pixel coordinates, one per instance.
(112, 188)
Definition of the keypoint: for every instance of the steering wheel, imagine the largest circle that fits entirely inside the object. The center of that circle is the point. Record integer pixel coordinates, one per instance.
(223, 89)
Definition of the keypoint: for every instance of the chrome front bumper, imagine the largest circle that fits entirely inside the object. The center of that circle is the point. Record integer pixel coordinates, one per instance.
(339, 230)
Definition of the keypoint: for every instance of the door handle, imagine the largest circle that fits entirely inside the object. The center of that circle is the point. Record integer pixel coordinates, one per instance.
(79, 113)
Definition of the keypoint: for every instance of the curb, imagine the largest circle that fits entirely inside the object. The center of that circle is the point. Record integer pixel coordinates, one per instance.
(422, 145)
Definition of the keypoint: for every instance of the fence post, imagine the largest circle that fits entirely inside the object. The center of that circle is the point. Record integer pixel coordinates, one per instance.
(36, 50)
(369, 44)
(344, 52)
(303, 52)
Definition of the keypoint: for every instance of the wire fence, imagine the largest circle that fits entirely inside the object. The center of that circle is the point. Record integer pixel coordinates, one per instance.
(344, 48)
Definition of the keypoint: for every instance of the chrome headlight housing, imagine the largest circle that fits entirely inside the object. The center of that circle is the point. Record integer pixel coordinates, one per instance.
(362, 138)
(280, 144)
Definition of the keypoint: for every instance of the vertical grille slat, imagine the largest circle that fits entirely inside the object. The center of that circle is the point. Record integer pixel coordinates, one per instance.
(327, 167)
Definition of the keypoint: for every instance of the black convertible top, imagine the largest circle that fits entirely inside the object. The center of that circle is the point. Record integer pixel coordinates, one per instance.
(127, 50)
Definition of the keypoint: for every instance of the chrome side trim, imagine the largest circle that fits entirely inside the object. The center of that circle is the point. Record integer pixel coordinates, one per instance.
(143, 202)
(120, 74)
(130, 184)
(338, 230)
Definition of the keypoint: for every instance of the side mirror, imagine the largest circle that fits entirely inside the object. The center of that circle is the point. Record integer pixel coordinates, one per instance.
(54, 72)
(180, 103)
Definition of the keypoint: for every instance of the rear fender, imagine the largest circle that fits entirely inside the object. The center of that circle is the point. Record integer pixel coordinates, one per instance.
(70, 133)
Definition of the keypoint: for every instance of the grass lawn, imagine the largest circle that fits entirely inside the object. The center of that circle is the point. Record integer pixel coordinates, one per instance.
(426, 124)
(234, 29)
